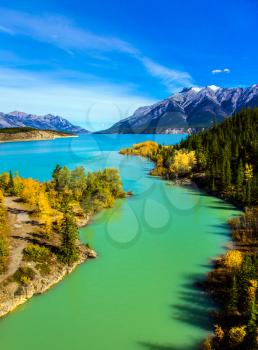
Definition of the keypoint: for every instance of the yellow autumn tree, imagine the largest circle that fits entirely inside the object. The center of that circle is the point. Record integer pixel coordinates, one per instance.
(144, 149)
(248, 172)
(44, 212)
(30, 191)
(233, 259)
(183, 162)
(219, 333)
(1, 196)
(18, 184)
(237, 335)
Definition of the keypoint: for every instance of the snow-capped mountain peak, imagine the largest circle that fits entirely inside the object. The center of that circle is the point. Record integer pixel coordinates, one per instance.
(193, 108)
(196, 89)
(214, 87)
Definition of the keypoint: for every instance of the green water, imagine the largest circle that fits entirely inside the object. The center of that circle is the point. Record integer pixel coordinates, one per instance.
(139, 293)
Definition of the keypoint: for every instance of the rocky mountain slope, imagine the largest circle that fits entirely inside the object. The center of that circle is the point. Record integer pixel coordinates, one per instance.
(47, 122)
(192, 108)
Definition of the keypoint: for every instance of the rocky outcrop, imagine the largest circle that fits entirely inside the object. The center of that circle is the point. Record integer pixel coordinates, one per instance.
(12, 294)
(15, 292)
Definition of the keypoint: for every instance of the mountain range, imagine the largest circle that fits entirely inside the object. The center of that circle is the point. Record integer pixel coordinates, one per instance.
(46, 122)
(191, 109)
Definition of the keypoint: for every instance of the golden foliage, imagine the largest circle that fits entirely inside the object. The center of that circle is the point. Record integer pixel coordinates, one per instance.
(248, 172)
(144, 149)
(183, 162)
(219, 333)
(1, 196)
(237, 335)
(233, 259)
(30, 191)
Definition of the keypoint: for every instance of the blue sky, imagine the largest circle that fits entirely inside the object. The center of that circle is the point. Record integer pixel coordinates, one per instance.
(95, 62)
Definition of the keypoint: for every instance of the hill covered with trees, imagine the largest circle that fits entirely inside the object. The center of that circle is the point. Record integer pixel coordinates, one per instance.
(227, 155)
(224, 161)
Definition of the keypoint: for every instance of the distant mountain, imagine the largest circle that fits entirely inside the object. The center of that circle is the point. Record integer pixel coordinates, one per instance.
(192, 108)
(46, 122)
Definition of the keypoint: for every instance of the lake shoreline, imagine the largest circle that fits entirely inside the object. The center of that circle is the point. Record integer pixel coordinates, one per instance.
(40, 284)
(39, 139)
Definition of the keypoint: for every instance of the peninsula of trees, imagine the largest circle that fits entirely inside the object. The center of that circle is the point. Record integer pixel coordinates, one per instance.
(224, 161)
(39, 240)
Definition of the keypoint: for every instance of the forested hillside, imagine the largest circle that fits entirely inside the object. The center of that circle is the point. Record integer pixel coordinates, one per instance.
(224, 161)
(228, 154)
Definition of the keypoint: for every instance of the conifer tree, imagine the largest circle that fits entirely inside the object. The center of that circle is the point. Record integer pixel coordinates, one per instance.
(252, 322)
(240, 180)
(227, 174)
(11, 188)
(233, 301)
(69, 232)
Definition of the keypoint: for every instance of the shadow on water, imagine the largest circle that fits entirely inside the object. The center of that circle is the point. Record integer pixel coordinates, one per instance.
(222, 206)
(151, 346)
(220, 229)
(195, 305)
(194, 309)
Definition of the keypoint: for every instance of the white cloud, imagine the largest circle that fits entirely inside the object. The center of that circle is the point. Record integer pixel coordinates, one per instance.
(95, 106)
(171, 78)
(219, 71)
(59, 31)
(6, 30)
(63, 33)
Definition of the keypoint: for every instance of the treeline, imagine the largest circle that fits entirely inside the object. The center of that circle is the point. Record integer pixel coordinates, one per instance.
(224, 160)
(228, 156)
(58, 205)
(234, 285)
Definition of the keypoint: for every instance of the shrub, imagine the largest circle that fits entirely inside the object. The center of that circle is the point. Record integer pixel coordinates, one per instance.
(219, 333)
(43, 268)
(37, 253)
(24, 275)
(3, 253)
(237, 335)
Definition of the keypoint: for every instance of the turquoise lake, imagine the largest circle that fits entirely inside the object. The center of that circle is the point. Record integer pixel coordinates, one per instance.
(152, 247)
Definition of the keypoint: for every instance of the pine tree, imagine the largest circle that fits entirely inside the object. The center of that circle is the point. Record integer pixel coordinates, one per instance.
(11, 187)
(227, 174)
(233, 296)
(252, 323)
(240, 180)
(55, 175)
(69, 231)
